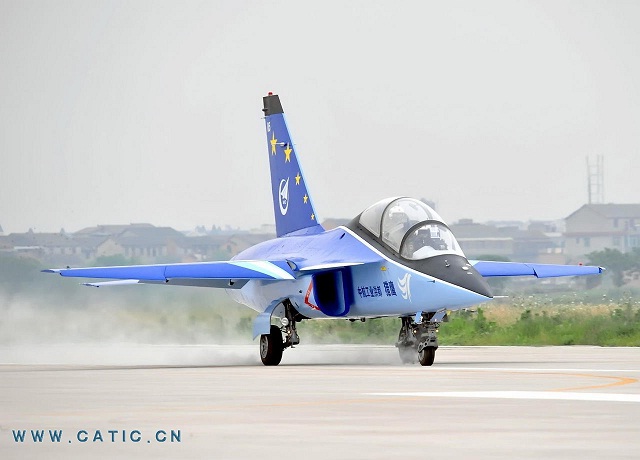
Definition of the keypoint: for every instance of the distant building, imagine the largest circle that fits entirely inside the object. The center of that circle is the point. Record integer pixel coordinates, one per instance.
(111, 229)
(480, 239)
(533, 244)
(143, 242)
(241, 241)
(52, 247)
(595, 227)
(206, 247)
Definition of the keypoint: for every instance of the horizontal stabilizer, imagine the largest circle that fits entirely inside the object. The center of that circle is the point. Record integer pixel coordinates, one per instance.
(491, 268)
(228, 270)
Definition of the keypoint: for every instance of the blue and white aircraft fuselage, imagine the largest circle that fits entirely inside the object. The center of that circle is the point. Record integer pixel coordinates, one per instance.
(378, 286)
(397, 258)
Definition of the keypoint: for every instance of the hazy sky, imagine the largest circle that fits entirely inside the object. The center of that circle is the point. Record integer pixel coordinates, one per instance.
(150, 111)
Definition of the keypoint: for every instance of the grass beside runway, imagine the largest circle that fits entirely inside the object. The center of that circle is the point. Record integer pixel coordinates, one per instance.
(564, 325)
(502, 325)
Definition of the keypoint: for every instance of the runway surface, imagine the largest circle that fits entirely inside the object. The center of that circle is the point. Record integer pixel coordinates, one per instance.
(322, 402)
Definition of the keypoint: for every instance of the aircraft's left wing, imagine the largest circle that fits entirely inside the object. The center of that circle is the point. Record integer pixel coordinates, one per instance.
(491, 268)
(228, 274)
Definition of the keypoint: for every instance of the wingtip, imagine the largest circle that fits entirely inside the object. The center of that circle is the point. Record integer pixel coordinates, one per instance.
(51, 270)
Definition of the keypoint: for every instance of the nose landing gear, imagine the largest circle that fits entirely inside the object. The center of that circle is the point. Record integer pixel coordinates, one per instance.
(419, 341)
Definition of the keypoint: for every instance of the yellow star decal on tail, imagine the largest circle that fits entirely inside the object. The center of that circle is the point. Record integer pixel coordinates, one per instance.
(305, 198)
(287, 154)
(274, 142)
(313, 217)
(298, 179)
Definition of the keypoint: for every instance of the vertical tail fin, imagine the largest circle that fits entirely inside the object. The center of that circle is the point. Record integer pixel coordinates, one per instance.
(291, 201)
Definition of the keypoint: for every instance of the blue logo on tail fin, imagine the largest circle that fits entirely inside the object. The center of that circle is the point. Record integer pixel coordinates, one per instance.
(292, 205)
(283, 191)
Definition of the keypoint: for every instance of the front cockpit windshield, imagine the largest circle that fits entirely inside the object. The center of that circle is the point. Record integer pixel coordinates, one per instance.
(428, 240)
(409, 227)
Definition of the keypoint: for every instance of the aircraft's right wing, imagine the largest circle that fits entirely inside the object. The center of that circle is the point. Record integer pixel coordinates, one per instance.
(228, 274)
(489, 268)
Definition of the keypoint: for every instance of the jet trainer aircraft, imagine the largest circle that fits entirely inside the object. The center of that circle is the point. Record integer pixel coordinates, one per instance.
(397, 258)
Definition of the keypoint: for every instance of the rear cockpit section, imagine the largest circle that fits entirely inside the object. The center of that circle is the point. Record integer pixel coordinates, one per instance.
(410, 228)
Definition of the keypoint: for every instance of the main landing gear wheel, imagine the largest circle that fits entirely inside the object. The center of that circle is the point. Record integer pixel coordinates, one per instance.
(426, 356)
(271, 347)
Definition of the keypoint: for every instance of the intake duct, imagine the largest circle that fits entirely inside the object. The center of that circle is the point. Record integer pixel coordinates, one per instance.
(332, 292)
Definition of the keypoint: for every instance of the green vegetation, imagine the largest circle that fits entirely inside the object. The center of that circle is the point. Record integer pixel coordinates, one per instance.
(619, 327)
(505, 324)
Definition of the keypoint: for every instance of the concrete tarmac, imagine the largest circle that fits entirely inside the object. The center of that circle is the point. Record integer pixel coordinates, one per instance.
(322, 402)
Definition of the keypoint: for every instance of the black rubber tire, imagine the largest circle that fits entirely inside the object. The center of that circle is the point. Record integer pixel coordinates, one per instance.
(408, 355)
(427, 356)
(271, 347)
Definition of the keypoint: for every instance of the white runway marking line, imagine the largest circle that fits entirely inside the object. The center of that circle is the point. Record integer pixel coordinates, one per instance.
(531, 369)
(547, 395)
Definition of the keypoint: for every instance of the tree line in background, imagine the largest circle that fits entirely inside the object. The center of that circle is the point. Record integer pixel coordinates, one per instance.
(624, 267)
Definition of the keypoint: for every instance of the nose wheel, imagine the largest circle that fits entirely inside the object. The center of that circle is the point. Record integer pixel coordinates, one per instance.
(427, 355)
(418, 341)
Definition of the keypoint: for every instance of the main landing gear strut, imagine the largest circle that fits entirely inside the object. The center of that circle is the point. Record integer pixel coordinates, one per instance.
(272, 345)
(419, 341)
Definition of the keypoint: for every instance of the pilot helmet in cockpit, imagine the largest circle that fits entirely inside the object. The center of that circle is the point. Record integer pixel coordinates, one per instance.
(397, 215)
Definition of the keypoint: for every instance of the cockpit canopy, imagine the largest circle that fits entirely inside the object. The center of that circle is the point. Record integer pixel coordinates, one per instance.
(409, 227)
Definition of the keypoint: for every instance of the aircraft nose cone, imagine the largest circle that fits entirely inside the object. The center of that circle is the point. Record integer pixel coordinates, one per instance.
(456, 270)
(473, 281)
